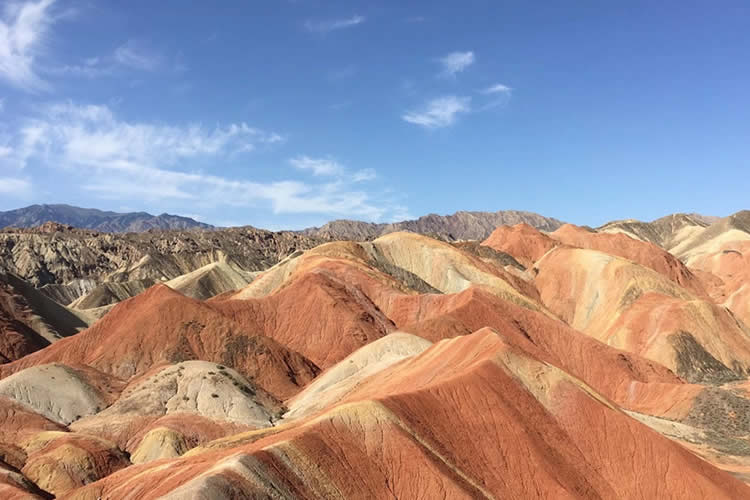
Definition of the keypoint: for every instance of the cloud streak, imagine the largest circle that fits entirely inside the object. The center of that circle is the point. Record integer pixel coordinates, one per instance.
(318, 166)
(131, 54)
(330, 167)
(440, 112)
(121, 160)
(456, 62)
(498, 88)
(14, 186)
(333, 24)
(23, 30)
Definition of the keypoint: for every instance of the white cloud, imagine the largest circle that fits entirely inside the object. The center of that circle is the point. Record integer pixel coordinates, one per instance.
(5, 151)
(498, 95)
(23, 29)
(120, 160)
(456, 62)
(134, 55)
(318, 166)
(498, 88)
(14, 186)
(333, 24)
(86, 70)
(92, 135)
(2, 103)
(440, 112)
(330, 167)
(366, 174)
(90, 67)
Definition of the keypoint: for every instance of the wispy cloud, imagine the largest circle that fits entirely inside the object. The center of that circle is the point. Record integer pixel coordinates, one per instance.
(135, 55)
(23, 30)
(333, 24)
(328, 166)
(440, 112)
(14, 186)
(497, 95)
(92, 67)
(498, 88)
(366, 174)
(92, 135)
(130, 56)
(456, 62)
(122, 160)
(318, 166)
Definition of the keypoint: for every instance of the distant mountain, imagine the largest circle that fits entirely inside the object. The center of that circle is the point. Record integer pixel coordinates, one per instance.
(91, 218)
(459, 226)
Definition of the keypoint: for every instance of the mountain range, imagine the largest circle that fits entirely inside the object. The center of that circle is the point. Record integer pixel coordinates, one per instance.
(459, 226)
(91, 218)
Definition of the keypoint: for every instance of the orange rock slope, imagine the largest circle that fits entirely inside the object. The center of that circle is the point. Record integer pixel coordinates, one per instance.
(521, 241)
(403, 367)
(163, 326)
(404, 434)
(727, 276)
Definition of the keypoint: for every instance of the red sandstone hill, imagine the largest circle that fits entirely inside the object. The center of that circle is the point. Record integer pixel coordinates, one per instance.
(163, 326)
(727, 276)
(29, 320)
(634, 308)
(521, 241)
(644, 253)
(401, 367)
(405, 433)
(317, 314)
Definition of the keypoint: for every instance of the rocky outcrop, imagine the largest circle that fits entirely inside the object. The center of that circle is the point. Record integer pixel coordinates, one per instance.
(29, 320)
(459, 226)
(70, 255)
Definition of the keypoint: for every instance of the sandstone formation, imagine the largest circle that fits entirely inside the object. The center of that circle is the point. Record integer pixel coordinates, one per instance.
(404, 421)
(163, 326)
(666, 232)
(634, 308)
(29, 320)
(643, 253)
(521, 241)
(729, 229)
(563, 363)
(57, 392)
(207, 390)
(727, 276)
(61, 461)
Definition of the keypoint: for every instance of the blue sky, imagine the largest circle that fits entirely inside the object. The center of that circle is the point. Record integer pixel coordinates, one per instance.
(287, 114)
